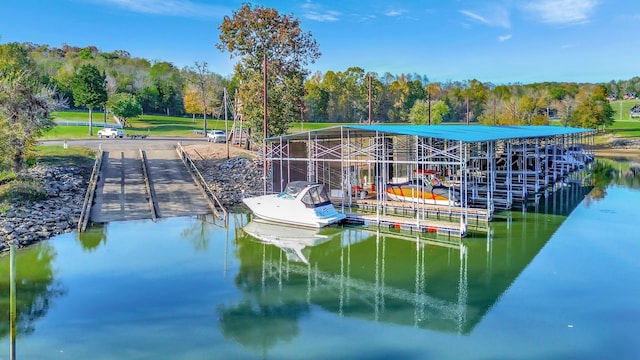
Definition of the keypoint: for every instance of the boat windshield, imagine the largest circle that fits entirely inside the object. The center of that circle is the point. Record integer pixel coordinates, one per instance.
(316, 196)
(295, 187)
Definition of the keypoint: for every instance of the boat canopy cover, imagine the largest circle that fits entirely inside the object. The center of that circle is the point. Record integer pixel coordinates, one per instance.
(315, 197)
(465, 133)
(295, 187)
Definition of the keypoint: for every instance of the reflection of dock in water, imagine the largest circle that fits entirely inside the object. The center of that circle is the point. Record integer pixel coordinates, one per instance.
(434, 284)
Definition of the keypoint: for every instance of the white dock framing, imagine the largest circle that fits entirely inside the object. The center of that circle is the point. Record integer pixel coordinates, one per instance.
(488, 167)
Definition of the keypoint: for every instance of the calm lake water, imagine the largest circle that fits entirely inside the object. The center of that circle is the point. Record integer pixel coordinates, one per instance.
(558, 281)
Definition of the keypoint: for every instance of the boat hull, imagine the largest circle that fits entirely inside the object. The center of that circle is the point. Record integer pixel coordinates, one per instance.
(435, 196)
(275, 208)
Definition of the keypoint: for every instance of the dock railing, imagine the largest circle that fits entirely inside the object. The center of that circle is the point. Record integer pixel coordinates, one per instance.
(91, 189)
(214, 202)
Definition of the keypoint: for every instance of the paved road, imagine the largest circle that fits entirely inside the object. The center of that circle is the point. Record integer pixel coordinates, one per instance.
(156, 143)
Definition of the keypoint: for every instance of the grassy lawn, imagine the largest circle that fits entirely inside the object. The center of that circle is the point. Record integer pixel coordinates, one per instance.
(626, 106)
(152, 125)
(58, 155)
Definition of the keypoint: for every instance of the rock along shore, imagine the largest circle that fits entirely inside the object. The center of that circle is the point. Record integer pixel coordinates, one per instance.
(27, 222)
(232, 179)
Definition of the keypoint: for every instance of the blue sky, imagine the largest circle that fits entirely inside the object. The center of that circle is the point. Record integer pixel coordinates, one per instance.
(503, 41)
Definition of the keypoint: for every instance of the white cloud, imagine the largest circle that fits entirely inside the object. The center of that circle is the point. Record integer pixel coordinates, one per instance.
(394, 12)
(490, 15)
(168, 7)
(474, 16)
(315, 12)
(503, 38)
(563, 12)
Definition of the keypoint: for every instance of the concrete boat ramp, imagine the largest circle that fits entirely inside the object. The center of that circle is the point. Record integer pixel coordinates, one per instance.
(139, 184)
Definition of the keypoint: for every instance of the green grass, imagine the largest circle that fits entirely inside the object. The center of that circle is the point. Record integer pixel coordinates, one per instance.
(58, 155)
(626, 106)
(152, 125)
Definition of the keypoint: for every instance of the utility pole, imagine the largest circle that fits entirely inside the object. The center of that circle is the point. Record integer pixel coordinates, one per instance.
(429, 103)
(370, 108)
(467, 109)
(226, 124)
(264, 120)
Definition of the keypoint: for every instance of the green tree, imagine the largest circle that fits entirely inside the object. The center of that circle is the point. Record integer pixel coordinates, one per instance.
(125, 106)
(317, 98)
(420, 112)
(89, 89)
(168, 82)
(593, 110)
(424, 113)
(25, 105)
(439, 111)
(261, 37)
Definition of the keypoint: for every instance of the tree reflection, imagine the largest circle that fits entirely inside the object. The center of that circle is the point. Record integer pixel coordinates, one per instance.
(602, 174)
(265, 315)
(606, 172)
(35, 288)
(91, 239)
(200, 229)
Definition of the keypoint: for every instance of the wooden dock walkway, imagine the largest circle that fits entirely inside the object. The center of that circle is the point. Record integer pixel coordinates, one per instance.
(136, 185)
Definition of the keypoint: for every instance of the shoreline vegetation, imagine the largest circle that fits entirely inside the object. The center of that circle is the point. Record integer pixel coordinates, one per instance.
(50, 201)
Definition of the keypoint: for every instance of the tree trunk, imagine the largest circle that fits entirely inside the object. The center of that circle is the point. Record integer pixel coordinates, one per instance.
(17, 160)
(205, 122)
(90, 121)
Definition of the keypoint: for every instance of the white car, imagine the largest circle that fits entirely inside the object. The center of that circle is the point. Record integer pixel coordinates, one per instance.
(217, 136)
(111, 133)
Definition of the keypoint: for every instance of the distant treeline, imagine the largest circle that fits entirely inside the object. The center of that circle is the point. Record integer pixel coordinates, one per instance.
(340, 96)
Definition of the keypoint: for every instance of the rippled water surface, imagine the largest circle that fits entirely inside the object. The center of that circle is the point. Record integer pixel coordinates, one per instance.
(556, 281)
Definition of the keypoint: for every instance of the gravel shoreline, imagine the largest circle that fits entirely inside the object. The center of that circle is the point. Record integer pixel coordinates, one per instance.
(28, 222)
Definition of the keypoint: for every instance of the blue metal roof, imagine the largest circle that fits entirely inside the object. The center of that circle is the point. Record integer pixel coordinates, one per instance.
(465, 133)
(472, 133)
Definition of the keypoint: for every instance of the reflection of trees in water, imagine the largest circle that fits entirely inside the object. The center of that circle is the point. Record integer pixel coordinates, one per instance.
(35, 288)
(199, 231)
(265, 315)
(91, 239)
(606, 172)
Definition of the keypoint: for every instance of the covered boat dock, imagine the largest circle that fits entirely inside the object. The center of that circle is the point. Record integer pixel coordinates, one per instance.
(447, 179)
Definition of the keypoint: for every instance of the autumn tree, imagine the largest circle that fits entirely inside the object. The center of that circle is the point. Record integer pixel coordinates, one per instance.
(261, 38)
(25, 106)
(89, 89)
(205, 88)
(192, 103)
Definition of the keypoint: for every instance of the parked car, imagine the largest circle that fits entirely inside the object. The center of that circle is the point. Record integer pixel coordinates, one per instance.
(111, 133)
(217, 136)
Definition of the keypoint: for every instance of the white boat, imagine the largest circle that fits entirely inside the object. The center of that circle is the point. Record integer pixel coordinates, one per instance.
(292, 240)
(301, 203)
